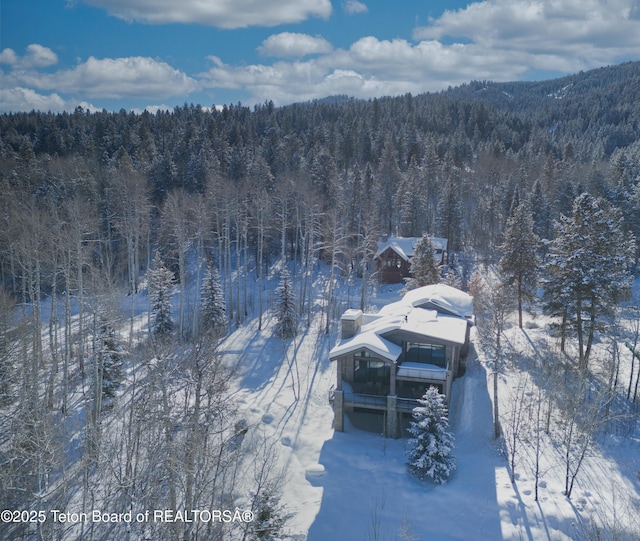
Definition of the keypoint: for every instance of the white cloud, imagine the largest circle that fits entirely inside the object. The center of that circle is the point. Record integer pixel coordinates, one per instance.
(130, 77)
(563, 35)
(25, 99)
(8, 56)
(370, 67)
(353, 7)
(337, 73)
(219, 13)
(293, 45)
(37, 57)
(493, 39)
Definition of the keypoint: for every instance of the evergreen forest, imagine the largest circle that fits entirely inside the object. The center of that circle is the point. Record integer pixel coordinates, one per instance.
(97, 207)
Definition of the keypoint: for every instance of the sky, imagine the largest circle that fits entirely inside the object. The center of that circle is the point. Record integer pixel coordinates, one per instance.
(56, 55)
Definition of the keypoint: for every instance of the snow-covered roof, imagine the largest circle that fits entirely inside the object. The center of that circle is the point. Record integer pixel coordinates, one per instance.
(405, 246)
(407, 315)
(448, 298)
(367, 340)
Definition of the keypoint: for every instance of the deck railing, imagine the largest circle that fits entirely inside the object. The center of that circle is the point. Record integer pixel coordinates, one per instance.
(378, 402)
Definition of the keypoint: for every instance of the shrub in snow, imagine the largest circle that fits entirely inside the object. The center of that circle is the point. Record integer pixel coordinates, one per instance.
(286, 315)
(430, 448)
(269, 516)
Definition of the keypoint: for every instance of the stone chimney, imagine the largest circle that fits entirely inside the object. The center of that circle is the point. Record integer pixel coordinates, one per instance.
(351, 322)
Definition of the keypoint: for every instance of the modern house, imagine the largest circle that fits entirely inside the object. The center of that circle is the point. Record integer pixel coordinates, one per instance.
(386, 361)
(393, 258)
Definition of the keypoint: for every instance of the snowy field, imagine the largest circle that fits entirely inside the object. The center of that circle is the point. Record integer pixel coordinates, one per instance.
(355, 486)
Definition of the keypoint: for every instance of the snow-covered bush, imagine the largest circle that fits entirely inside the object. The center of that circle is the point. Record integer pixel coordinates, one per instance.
(430, 448)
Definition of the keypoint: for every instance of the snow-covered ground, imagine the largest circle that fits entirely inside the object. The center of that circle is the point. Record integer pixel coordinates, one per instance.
(354, 485)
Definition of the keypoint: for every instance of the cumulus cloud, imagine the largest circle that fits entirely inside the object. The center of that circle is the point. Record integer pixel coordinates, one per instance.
(499, 40)
(25, 83)
(370, 67)
(25, 99)
(39, 56)
(219, 13)
(353, 7)
(130, 77)
(563, 35)
(8, 56)
(339, 72)
(492, 39)
(289, 44)
(36, 56)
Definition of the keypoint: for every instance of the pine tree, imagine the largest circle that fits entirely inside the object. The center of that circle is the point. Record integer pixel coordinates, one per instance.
(450, 213)
(286, 315)
(519, 263)
(424, 267)
(110, 362)
(430, 448)
(453, 274)
(213, 309)
(269, 516)
(540, 211)
(160, 284)
(588, 266)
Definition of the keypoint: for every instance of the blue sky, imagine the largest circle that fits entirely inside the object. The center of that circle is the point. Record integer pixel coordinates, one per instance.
(136, 54)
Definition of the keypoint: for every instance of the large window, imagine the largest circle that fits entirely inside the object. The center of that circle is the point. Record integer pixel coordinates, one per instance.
(371, 372)
(426, 353)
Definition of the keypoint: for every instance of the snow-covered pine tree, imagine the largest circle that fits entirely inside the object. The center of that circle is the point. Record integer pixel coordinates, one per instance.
(213, 308)
(430, 448)
(453, 275)
(450, 213)
(109, 362)
(160, 284)
(519, 262)
(269, 516)
(588, 265)
(424, 267)
(286, 315)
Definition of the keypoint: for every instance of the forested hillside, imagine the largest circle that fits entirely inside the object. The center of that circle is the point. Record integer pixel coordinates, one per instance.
(100, 207)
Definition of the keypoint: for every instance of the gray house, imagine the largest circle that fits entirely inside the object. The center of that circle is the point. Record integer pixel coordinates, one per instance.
(386, 361)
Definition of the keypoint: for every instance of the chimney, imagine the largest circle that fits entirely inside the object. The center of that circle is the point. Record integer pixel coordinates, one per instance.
(351, 322)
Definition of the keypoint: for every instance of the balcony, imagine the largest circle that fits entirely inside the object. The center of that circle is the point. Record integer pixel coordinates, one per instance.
(421, 372)
(377, 402)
